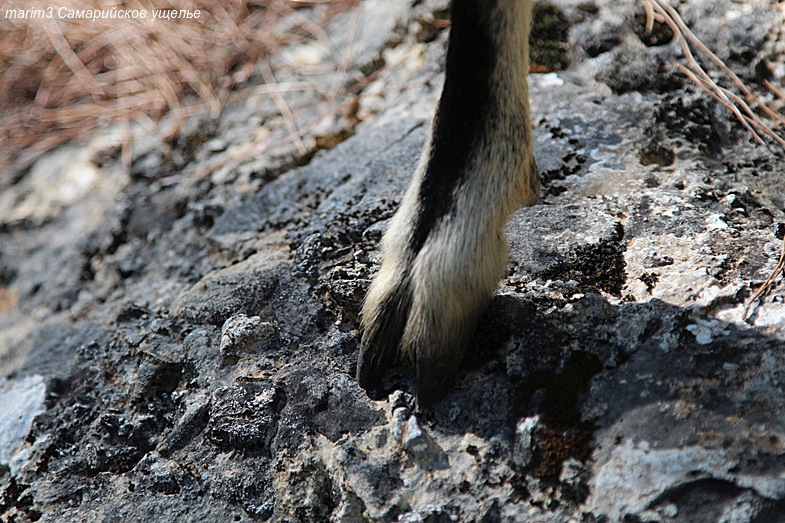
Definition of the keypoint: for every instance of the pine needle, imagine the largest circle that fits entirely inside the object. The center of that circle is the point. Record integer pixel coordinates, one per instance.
(61, 78)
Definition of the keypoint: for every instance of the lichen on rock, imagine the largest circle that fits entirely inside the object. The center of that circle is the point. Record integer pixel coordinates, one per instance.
(186, 344)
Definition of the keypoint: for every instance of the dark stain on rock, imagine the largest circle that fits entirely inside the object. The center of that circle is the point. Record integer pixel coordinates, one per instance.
(549, 50)
(599, 266)
(562, 434)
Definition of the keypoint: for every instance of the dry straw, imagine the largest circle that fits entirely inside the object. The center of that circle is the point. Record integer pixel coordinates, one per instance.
(63, 76)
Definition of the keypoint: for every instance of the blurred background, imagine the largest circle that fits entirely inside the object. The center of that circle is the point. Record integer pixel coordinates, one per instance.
(63, 73)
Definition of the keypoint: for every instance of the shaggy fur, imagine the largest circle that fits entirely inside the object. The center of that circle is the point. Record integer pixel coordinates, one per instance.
(444, 252)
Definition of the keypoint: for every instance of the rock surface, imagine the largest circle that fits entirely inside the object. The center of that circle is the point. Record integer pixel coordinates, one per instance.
(178, 339)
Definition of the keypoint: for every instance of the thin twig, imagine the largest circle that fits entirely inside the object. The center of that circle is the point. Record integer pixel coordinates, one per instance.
(775, 91)
(713, 90)
(346, 59)
(663, 12)
(734, 103)
(768, 284)
(660, 11)
(283, 107)
(72, 61)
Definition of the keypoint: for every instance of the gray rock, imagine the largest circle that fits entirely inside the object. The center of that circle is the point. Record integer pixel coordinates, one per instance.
(617, 375)
(244, 417)
(629, 68)
(20, 402)
(191, 423)
(580, 246)
(244, 287)
(523, 454)
(241, 335)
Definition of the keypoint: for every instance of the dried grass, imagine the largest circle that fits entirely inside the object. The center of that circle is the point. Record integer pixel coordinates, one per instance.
(61, 78)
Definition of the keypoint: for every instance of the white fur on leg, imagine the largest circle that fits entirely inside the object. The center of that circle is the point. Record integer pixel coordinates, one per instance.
(427, 299)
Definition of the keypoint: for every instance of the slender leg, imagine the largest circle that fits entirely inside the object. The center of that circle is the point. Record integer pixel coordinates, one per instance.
(445, 252)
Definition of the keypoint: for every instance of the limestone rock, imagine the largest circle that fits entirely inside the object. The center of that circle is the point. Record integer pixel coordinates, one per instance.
(181, 338)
